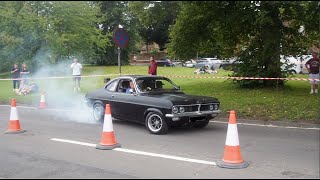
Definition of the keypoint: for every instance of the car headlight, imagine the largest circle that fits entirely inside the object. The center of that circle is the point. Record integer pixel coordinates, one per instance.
(175, 110)
(216, 106)
(181, 109)
(211, 107)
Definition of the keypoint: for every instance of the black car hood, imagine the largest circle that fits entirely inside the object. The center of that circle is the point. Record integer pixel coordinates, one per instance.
(181, 99)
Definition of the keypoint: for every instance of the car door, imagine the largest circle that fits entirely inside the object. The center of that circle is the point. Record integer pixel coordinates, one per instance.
(124, 103)
(112, 89)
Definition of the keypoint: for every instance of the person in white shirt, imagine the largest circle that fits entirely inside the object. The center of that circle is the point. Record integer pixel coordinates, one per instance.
(76, 72)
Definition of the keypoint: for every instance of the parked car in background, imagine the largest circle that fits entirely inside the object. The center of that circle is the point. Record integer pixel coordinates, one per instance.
(212, 63)
(227, 63)
(190, 64)
(156, 102)
(304, 59)
(294, 64)
(165, 62)
(177, 63)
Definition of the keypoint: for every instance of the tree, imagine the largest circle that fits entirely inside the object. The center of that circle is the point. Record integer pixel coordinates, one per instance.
(73, 29)
(257, 32)
(116, 13)
(48, 32)
(21, 32)
(155, 17)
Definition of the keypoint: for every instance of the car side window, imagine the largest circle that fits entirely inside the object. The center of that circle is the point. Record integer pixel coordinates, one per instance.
(123, 85)
(112, 86)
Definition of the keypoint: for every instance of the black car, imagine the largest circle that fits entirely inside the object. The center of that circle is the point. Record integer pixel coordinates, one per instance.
(156, 102)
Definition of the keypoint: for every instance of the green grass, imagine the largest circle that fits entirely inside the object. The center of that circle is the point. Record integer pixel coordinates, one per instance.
(291, 103)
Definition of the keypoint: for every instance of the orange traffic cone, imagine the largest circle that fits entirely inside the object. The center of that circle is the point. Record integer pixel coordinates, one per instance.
(232, 156)
(107, 139)
(42, 104)
(14, 124)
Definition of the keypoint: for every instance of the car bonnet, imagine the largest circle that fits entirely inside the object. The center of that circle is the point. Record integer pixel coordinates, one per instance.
(185, 99)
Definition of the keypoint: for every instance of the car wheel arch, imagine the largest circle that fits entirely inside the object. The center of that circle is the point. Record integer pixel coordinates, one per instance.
(152, 110)
(159, 126)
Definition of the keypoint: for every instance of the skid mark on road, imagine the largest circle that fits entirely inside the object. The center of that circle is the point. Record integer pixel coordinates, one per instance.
(139, 152)
(268, 125)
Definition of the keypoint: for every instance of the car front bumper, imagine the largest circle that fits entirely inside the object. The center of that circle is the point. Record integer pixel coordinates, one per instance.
(193, 114)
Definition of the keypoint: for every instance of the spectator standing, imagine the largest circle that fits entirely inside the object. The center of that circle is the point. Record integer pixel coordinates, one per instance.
(313, 66)
(152, 67)
(15, 71)
(76, 72)
(24, 72)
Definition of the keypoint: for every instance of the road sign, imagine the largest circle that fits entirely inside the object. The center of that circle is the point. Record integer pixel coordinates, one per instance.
(120, 37)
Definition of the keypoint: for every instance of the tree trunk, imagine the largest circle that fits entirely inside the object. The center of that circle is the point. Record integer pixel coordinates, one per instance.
(271, 42)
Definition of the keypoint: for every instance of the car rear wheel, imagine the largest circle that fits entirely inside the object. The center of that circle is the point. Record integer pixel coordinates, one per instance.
(201, 124)
(155, 123)
(98, 112)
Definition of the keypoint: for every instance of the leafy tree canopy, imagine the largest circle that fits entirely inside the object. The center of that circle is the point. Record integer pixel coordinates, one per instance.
(255, 32)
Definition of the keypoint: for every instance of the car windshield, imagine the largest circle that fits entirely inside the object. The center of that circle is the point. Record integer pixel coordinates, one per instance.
(153, 84)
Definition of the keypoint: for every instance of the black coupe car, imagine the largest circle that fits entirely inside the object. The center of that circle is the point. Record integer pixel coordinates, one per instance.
(154, 101)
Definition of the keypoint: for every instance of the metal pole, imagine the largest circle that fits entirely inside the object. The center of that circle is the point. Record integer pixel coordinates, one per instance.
(119, 64)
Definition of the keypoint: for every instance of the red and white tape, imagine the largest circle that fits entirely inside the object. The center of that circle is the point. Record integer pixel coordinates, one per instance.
(198, 77)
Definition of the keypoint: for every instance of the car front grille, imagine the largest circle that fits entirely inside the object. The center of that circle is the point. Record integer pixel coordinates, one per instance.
(197, 107)
(191, 108)
(204, 107)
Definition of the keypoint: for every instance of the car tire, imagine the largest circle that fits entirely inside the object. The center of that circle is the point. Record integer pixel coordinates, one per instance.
(201, 124)
(155, 123)
(98, 112)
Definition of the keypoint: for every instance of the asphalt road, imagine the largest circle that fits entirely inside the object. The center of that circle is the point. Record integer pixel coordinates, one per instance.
(60, 143)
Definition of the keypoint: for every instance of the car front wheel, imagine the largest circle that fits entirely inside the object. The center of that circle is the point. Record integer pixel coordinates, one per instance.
(98, 112)
(155, 123)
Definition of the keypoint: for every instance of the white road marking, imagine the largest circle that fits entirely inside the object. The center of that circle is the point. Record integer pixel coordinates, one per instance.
(139, 152)
(223, 122)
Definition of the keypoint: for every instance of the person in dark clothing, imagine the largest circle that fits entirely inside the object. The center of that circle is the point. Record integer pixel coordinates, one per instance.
(152, 67)
(15, 71)
(313, 66)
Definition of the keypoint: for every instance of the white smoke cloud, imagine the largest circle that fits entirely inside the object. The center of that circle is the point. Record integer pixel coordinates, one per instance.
(59, 93)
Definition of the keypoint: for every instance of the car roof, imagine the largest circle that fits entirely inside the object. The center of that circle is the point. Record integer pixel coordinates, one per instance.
(139, 76)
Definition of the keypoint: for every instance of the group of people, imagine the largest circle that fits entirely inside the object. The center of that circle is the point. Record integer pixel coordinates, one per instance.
(206, 69)
(20, 76)
(21, 85)
(27, 88)
(18, 73)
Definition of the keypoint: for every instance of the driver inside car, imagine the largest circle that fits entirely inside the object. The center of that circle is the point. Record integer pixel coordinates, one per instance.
(130, 89)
